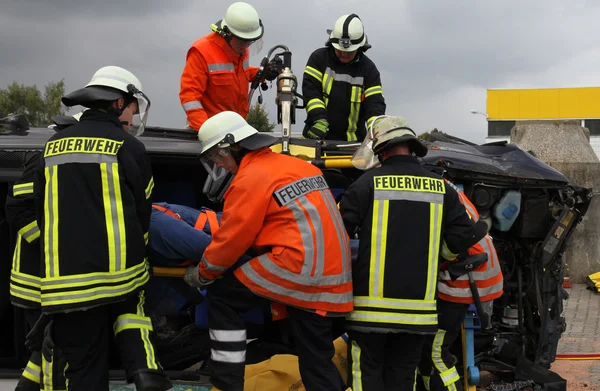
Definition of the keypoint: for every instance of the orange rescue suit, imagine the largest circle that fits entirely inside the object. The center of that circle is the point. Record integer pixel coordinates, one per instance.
(488, 277)
(215, 79)
(281, 207)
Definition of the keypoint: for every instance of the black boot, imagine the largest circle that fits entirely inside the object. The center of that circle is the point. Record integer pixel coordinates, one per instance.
(151, 381)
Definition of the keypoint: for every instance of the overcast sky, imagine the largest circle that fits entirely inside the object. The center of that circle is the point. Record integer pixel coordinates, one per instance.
(436, 58)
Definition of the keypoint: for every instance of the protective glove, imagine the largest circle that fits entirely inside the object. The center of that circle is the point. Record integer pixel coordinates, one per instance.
(318, 130)
(40, 337)
(194, 279)
(273, 69)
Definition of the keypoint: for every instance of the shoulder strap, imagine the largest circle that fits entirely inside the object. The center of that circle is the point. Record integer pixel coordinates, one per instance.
(167, 211)
(211, 217)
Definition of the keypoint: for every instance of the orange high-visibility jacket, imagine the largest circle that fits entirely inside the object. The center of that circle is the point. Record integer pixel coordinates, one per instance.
(488, 277)
(215, 79)
(281, 207)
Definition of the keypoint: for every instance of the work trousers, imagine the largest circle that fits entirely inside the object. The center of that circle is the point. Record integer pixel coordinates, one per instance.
(437, 367)
(227, 298)
(383, 361)
(40, 374)
(84, 338)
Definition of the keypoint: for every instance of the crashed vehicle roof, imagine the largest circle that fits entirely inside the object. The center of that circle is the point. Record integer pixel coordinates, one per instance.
(156, 140)
(499, 163)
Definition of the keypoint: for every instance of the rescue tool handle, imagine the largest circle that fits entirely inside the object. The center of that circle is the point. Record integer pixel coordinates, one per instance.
(162, 271)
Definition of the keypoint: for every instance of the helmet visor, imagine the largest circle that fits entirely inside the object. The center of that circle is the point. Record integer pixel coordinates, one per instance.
(212, 161)
(138, 122)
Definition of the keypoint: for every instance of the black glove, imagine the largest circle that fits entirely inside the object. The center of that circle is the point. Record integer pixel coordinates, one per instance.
(40, 337)
(273, 69)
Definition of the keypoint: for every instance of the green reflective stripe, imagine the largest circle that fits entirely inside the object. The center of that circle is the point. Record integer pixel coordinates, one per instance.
(84, 280)
(47, 374)
(370, 121)
(314, 72)
(131, 322)
(23, 188)
(82, 296)
(146, 237)
(327, 85)
(30, 232)
(446, 253)
(315, 103)
(378, 247)
(395, 318)
(150, 188)
(395, 304)
(51, 222)
(373, 91)
(436, 212)
(25, 279)
(145, 335)
(113, 216)
(16, 262)
(32, 372)
(25, 294)
(356, 368)
(220, 67)
(355, 99)
(448, 375)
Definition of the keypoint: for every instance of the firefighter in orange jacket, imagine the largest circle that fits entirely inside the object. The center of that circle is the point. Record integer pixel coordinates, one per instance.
(281, 208)
(437, 367)
(217, 72)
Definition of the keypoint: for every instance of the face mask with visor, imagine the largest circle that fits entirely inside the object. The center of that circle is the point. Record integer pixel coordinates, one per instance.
(210, 160)
(138, 122)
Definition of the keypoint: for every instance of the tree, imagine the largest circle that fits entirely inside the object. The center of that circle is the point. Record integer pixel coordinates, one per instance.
(39, 110)
(259, 119)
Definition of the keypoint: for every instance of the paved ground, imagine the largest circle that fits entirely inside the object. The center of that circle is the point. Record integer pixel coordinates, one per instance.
(582, 311)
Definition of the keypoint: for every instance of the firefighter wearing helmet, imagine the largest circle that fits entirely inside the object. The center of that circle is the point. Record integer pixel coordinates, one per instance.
(92, 191)
(217, 71)
(280, 207)
(403, 215)
(341, 85)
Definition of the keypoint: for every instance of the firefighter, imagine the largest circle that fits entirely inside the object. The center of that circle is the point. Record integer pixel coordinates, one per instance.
(403, 213)
(217, 73)
(92, 191)
(341, 85)
(437, 367)
(25, 279)
(280, 208)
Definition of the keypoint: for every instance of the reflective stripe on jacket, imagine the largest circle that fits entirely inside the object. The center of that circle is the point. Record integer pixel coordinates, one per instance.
(93, 192)
(215, 79)
(21, 218)
(349, 96)
(488, 277)
(282, 208)
(403, 212)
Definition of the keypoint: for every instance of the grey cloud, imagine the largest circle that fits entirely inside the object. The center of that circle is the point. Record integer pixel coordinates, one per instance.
(436, 58)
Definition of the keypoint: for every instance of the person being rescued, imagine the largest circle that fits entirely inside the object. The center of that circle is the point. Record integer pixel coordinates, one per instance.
(179, 234)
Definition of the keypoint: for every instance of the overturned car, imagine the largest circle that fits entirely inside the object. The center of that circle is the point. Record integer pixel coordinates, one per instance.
(532, 208)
